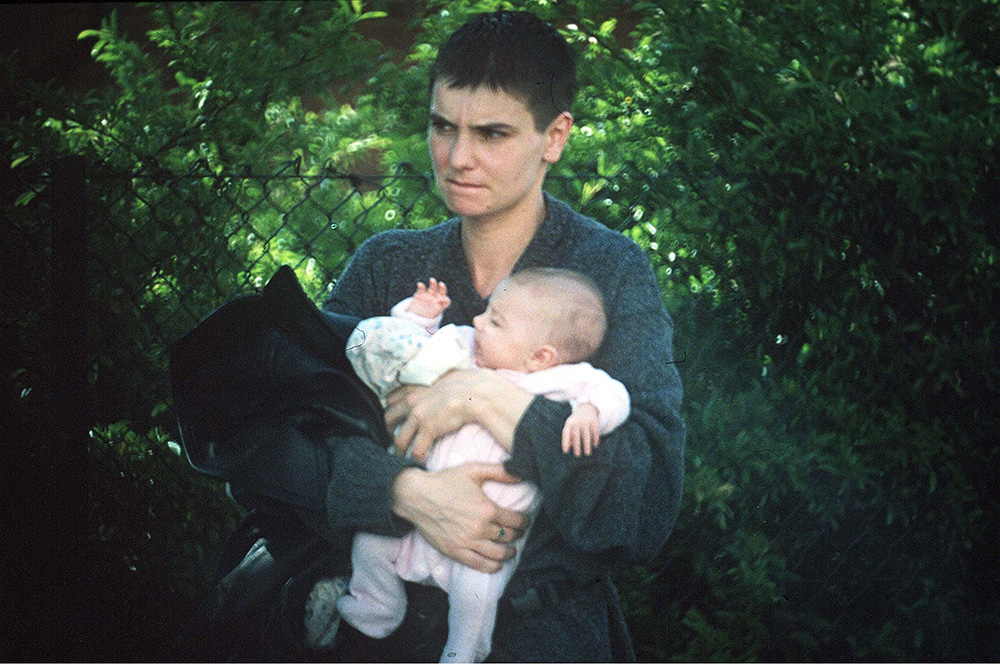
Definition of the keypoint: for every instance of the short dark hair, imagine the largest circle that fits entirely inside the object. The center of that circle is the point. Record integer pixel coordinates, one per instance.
(512, 51)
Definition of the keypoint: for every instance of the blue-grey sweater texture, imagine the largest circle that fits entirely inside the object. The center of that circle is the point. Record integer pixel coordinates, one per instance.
(600, 513)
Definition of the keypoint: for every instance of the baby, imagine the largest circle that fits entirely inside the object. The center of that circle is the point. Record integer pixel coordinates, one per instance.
(540, 326)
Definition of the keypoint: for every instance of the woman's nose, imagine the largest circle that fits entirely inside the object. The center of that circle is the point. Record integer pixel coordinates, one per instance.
(461, 154)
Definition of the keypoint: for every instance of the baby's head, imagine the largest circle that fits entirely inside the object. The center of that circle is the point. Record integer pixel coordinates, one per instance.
(538, 318)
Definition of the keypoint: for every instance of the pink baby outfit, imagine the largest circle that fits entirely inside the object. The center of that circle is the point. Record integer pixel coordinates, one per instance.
(387, 352)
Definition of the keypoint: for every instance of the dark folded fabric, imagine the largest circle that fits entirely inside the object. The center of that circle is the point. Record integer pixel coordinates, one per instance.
(264, 394)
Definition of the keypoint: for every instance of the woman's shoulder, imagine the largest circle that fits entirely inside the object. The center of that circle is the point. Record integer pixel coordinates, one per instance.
(592, 236)
(591, 243)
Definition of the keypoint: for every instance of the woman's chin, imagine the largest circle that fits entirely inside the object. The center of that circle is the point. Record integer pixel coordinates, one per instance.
(465, 208)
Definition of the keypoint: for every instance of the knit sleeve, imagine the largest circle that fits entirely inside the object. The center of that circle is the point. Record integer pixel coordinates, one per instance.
(359, 495)
(625, 496)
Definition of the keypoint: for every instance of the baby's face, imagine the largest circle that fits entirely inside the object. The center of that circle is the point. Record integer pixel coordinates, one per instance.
(508, 332)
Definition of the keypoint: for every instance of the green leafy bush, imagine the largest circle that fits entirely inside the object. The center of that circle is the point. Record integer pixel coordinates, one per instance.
(829, 200)
(812, 182)
(159, 528)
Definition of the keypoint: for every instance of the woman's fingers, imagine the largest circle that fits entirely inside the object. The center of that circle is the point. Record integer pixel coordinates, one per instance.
(456, 517)
(400, 402)
(421, 415)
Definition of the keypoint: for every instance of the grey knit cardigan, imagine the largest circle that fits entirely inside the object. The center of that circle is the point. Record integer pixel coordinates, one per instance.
(600, 513)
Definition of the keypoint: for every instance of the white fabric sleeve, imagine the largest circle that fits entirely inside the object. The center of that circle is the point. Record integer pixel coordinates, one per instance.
(449, 348)
(606, 394)
(400, 311)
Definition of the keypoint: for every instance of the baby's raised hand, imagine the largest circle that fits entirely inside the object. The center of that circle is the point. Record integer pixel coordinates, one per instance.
(582, 431)
(431, 300)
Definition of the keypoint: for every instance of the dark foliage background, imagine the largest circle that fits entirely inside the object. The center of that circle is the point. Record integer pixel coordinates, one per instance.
(814, 182)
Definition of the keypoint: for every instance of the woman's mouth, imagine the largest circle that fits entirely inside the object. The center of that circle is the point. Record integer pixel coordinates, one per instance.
(464, 186)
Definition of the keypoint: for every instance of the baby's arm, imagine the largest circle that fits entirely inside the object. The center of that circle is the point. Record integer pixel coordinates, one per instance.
(600, 405)
(582, 431)
(430, 301)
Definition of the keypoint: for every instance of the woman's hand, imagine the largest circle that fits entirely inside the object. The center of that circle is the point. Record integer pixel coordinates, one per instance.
(451, 511)
(466, 396)
(422, 415)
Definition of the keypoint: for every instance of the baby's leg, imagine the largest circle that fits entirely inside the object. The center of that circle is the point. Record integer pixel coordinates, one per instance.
(376, 599)
(472, 595)
(472, 611)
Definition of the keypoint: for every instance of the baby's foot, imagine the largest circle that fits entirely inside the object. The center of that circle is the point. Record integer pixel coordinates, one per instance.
(321, 617)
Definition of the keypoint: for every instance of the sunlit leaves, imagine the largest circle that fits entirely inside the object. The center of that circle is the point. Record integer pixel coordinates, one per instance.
(811, 181)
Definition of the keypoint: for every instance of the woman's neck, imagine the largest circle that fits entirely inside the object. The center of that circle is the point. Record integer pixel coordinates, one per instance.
(494, 244)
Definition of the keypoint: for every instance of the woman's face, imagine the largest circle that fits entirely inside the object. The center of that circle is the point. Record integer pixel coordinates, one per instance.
(489, 160)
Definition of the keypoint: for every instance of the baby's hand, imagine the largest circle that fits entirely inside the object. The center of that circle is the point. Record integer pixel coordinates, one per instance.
(430, 301)
(582, 431)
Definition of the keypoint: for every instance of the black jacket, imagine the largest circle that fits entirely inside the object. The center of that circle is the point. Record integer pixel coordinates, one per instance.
(266, 399)
(265, 395)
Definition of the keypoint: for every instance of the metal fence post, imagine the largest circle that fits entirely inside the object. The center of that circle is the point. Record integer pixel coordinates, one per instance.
(63, 540)
(69, 295)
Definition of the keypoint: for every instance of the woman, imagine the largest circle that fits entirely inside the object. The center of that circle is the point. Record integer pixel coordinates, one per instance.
(501, 91)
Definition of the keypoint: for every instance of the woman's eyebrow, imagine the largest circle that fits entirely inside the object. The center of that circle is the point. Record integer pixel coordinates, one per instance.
(436, 118)
(489, 127)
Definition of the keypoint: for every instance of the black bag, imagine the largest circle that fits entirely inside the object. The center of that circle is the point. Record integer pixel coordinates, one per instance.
(264, 392)
(254, 612)
(255, 609)
(264, 395)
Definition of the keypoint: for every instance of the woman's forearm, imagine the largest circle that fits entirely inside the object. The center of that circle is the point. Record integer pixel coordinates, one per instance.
(498, 404)
(421, 415)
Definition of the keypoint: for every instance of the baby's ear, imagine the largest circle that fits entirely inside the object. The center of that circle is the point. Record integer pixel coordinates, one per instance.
(544, 357)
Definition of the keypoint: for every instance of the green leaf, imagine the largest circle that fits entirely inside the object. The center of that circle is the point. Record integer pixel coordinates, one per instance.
(25, 198)
(184, 79)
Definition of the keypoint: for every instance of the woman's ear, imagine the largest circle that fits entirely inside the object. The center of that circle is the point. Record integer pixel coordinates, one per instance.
(556, 136)
(544, 357)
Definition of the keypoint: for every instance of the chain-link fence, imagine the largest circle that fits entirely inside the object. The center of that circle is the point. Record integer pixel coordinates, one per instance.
(112, 267)
(160, 250)
(107, 269)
